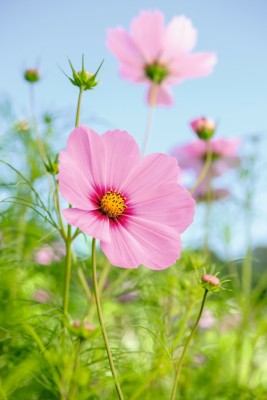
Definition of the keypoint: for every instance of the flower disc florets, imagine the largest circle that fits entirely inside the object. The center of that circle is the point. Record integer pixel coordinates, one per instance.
(156, 72)
(113, 204)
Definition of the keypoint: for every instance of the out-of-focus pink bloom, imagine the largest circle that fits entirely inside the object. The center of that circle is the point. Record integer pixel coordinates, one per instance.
(41, 296)
(205, 192)
(44, 256)
(207, 319)
(203, 127)
(161, 55)
(50, 253)
(192, 156)
(133, 205)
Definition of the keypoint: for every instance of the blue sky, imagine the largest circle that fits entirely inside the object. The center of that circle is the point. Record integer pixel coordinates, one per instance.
(46, 33)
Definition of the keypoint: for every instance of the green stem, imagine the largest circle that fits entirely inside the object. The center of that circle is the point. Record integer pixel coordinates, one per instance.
(67, 273)
(101, 321)
(205, 169)
(68, 238)
(153, 99)
(78, 112)
(187, 343)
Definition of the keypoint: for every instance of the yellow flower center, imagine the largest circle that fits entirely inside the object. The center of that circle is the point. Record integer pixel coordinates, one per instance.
(113, 204)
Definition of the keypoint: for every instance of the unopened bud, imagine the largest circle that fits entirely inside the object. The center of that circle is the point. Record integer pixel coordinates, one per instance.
(84, 79)
(32, 75)
(82, 329)
(22, 126)
(52, 166)
(210, 282)
(203, 127)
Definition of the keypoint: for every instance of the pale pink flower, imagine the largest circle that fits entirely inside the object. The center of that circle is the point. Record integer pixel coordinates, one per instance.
(41, 296)
(50, 253)
(207, 319)
(161, 55)
(192, 156)
(44, 255)
(133, 205)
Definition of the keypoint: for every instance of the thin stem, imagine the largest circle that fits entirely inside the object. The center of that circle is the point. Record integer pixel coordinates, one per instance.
(67, 272)
(205, 169)
(78, 112)
(151, 113)
(73, 388)
(101, 321)
(187, 343)
(68, 238)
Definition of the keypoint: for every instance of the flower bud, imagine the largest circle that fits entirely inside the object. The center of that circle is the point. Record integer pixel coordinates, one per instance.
(52, 166)
(84, 79)
(32, 75)
(210, 282)
(22, 126)
(203, 127)
(83, 330)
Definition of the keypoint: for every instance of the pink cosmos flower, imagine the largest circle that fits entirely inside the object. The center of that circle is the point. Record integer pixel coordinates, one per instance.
(50, 253)
(133, 205)
(192, 156)
(154, 54)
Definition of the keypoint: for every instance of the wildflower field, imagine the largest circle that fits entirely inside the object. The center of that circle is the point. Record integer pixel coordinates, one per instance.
(132, 266)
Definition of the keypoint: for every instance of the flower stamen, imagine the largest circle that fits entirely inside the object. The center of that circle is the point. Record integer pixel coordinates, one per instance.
(113, 204)
(156, 72)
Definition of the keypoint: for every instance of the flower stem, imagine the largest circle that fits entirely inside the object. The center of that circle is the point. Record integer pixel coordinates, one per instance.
(205, 169)
(101, 321)
(78, 112)
(187, 343)
(151, 113)
(68, 238)
(67, 273)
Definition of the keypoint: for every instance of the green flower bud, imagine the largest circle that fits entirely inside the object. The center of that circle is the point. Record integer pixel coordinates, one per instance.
(32, 75)
(84, 79)
(83, 330)
(22, 126)
(52, 166)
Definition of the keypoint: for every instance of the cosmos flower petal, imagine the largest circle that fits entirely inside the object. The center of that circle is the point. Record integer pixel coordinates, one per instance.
(84, 146)
(124, 250)
(164, 96)
(161, 244)
(129, 71)
(177, 214)
(149, 172)
(147, 31)
(180, 37)
(193, 65)
(122, 45)
(90, 222)
(122, 153)
(75, 191)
